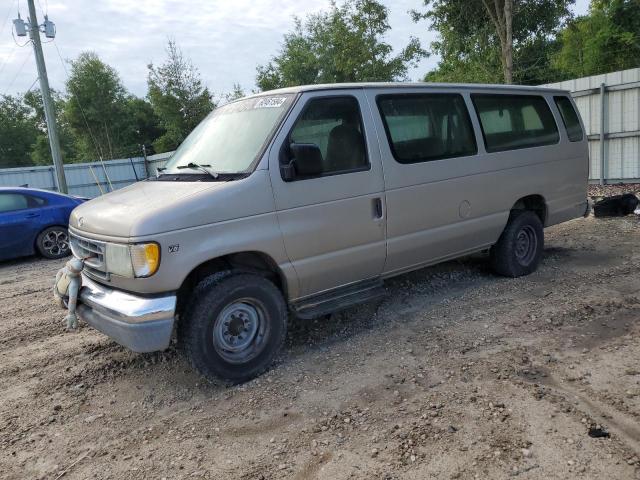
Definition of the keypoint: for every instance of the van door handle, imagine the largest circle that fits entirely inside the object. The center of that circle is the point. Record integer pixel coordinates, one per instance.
(32, 215)
(377, 208)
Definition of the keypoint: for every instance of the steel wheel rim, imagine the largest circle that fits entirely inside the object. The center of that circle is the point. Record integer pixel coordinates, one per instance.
(239, 330)
(526, 245)
(56, 242)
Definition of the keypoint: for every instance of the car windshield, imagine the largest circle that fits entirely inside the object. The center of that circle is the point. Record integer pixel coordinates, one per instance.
(230, 138)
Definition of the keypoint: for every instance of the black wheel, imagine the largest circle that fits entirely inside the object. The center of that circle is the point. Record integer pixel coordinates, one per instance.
(53, 242)
(233, 326)
(520, 246)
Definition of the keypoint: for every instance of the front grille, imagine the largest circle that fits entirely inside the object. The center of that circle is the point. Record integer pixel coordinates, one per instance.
(93, 253)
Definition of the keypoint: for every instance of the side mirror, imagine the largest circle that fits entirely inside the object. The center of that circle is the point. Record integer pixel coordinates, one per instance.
(306, 161)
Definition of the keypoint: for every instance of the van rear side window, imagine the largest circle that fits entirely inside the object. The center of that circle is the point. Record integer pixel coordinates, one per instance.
(569, 118)
(510, 122)
(426, 127)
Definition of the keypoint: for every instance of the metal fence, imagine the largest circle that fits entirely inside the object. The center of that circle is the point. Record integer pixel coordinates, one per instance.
(614, 144)
(87, 179)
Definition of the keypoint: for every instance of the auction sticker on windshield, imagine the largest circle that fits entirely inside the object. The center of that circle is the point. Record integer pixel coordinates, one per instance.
(270, 102)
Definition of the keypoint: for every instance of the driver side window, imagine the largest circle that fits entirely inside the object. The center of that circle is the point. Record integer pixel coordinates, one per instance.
(334, 126)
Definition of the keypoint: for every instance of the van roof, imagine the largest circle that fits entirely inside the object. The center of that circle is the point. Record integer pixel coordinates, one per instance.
(403, 85)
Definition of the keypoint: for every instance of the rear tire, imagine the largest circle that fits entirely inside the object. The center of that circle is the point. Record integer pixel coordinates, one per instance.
(519, 248)
(53, 242)
(233, 326)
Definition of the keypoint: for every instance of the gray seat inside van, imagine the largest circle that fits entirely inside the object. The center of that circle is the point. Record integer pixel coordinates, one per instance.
(345, 148)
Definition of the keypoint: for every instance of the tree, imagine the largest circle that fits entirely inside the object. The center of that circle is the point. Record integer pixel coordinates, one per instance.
(144, 121)
(605, 40)
(41, 152)
(236, 94)
(178, 98)
(97, 110)
(18, 132)
(345, 44)
(494, 40)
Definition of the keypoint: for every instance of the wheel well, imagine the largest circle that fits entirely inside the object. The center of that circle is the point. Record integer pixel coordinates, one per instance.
(251, 262)
(534, 203)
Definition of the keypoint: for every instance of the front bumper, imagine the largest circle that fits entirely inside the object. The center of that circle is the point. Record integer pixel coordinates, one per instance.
(142, 324)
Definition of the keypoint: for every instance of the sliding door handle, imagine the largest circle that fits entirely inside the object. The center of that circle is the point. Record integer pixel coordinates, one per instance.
(377, 209)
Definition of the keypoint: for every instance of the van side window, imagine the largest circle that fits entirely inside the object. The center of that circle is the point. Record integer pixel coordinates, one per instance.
(426, 127)
(333, 124)
(510, 122)
(569, 118)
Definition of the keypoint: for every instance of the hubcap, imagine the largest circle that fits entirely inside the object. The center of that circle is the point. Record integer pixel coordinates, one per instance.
(526, 245)
(56, 242)
(239, 330)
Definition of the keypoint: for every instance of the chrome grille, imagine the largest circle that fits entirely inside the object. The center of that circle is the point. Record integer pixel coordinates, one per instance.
(93, 253)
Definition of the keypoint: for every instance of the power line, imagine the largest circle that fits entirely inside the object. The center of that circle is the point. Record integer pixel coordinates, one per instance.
(4, 24)
(34, 82)
(44, 11)
(9, 57)
(19, 72)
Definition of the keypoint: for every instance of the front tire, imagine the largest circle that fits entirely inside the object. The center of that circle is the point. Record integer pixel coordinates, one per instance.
(234, 326)
(519, 248)
(53, 242)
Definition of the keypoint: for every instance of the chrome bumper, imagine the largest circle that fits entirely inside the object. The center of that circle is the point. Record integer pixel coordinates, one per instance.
(142, 324)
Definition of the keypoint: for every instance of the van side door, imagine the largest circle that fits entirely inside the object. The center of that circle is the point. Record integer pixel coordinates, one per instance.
(328, 186)
(429, 151)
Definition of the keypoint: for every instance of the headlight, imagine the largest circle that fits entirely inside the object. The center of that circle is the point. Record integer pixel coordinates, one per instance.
(118, 260)
(139, 260)
(145, 259)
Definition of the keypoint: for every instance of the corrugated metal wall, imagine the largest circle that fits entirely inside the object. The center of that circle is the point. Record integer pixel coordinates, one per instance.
(621, 122)
(86, 179)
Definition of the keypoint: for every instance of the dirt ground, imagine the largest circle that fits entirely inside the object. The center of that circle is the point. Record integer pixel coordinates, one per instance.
(456, 374)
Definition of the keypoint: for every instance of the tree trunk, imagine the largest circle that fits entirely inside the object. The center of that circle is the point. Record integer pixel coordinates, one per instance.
(501, 14)
(508, 46)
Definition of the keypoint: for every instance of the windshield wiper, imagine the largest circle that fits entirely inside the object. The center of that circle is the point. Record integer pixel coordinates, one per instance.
(202, 167)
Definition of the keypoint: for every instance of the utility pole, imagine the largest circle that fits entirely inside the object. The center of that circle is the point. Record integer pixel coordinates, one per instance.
(49, 109)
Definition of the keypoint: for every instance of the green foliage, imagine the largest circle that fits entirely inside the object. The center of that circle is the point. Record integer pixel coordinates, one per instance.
(606, 40)
(18, 132)
(469, 46)
(345, 44)
(178, 97)
(41, 153)
(144, 121)
(236, 94)
(97, 110)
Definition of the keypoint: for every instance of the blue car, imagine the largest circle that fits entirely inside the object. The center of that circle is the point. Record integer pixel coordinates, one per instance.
(33, 221)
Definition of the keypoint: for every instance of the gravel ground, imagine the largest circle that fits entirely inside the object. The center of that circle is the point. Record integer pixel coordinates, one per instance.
(456, 374)
(600, 191)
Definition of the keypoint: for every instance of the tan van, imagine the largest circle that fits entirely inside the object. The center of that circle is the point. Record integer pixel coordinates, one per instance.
(304, 200)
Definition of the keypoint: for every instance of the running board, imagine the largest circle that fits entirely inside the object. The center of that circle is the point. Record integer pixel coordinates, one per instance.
(339, 299)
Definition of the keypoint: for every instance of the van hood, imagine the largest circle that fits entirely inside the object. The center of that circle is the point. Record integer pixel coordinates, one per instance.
(151, 207)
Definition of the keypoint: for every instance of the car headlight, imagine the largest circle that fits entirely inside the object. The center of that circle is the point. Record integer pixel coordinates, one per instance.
(139, 260)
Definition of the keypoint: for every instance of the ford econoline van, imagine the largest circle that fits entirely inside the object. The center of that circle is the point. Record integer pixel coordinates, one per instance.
(302, 201)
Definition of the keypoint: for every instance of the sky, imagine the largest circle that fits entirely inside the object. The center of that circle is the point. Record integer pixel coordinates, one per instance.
(225, 39)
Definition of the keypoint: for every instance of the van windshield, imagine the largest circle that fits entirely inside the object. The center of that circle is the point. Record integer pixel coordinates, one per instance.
(231, 137)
